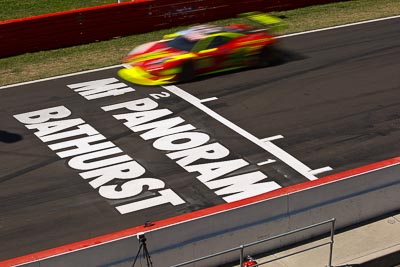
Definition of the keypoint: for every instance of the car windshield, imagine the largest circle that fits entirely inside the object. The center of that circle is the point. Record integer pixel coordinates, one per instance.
(181, 43)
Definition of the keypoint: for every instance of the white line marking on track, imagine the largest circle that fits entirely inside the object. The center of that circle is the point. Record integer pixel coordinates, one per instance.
(208, 99)
(266, 162)
(272, 138)
(282, 36)
(320, 170)
(268, 146)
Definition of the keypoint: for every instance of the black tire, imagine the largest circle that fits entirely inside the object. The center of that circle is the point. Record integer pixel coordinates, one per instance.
(187, 73)
(269, 56)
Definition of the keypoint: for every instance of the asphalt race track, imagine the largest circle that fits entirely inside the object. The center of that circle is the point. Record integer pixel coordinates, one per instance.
(332, 105)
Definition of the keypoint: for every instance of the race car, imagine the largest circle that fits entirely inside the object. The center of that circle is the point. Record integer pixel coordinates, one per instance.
(201, 50)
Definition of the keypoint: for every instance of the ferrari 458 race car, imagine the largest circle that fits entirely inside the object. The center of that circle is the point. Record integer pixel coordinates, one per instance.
(200, 50)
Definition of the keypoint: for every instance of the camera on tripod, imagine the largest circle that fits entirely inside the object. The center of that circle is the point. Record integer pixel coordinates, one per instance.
(143, 248)
(141, 237)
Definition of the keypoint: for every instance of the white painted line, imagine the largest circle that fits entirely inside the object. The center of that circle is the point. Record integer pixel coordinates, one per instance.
(126, 65)
(266, 162)
(320, 170)
(60, 76)
(268, 146)
(208, 99)
(272, 138)
(282, 36)
(338, 26)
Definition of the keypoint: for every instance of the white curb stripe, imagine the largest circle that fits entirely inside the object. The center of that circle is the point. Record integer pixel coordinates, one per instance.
(338, 27)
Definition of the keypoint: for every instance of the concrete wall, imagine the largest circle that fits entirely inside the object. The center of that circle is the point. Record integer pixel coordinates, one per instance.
(351, 198)
(109, 21)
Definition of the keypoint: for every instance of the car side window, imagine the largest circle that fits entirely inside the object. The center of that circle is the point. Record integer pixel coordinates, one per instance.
(202, 44)
(218, 41)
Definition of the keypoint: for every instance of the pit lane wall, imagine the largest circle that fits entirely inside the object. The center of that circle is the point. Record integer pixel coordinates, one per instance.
(350, 197)
(87, 25)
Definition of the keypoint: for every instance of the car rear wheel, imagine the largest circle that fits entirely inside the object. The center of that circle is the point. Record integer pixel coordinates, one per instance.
(269, 56)
(187, 73)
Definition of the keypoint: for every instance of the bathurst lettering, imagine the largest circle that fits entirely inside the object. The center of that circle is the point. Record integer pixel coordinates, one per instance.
(114, 174)
(117, 176)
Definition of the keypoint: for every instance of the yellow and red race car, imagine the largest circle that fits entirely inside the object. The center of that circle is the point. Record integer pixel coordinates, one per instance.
(200, 50)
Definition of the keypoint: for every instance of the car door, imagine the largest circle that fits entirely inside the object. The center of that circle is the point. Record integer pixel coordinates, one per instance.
(215, 53)
(207, 59)
(222, 52)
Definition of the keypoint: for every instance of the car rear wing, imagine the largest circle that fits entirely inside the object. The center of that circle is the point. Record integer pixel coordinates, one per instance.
(272, 23)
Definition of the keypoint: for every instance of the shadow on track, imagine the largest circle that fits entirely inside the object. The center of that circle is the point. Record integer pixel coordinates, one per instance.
(7, 137)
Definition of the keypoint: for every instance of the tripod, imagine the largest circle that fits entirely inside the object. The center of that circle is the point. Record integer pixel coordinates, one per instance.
(146, 255)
